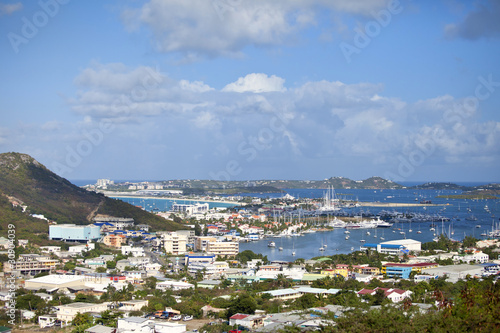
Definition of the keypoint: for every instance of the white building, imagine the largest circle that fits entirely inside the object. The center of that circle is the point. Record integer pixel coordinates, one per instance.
(144, 325)
(174, 243)
(134, 251)
(478, 257)
(173, 285)
(67, 313)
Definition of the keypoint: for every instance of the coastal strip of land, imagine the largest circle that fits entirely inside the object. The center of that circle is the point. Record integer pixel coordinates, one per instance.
(135, 196)
(396, 204)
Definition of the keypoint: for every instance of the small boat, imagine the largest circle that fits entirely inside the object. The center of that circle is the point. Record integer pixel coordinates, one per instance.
(432, 229)
(419, 232)
(362, 241)
(478, 226)
(346, 237)
(280, 248)
(293, 253)
(352, 248)
(347, 232)
(322, 248)
(271, 244)
(382, 238)
(368, 233)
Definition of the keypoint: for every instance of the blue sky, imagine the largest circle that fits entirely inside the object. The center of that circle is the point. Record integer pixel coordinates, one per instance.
(237, 90)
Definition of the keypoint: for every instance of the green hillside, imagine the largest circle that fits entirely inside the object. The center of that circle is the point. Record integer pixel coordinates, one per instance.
(26, 181)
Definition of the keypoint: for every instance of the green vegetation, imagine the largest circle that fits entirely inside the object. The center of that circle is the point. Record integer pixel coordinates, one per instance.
(26, 182)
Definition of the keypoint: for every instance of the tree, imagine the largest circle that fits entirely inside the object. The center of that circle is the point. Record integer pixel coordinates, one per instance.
(109, 318)
(100, 270)
(242, 304)
(82, 319)
(379, 297)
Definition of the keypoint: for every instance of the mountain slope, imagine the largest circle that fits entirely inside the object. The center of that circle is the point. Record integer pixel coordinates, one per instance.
(25, 180)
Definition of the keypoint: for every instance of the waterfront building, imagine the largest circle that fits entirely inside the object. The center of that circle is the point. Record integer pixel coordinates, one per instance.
(191, 209)
(399, 269)
(395, 247)
(223, 249)
(74, 233)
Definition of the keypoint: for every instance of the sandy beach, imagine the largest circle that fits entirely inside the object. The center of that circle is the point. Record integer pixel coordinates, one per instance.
(173, 199)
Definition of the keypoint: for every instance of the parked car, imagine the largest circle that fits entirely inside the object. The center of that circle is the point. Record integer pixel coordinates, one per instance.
(177, 317)
(187, 317)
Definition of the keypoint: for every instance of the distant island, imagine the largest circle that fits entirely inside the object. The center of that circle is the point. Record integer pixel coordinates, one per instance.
(214, 187)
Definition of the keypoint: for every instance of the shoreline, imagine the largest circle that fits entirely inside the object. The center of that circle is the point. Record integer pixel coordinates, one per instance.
(396, 204)
(174, 199)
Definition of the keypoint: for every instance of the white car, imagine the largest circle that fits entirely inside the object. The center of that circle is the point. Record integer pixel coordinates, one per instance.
(177, 317)
(186, 318)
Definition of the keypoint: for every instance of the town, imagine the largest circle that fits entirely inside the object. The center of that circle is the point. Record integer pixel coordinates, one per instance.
(116, 275)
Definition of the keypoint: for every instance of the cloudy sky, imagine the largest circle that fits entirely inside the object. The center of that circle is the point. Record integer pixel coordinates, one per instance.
(237, 89)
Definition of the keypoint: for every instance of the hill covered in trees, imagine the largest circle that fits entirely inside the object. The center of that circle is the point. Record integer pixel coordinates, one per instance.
(27, 187)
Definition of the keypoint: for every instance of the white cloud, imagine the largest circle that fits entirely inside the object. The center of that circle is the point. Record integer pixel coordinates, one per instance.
(9, 8)
(320, 119)
(256, 83)
(200, 28)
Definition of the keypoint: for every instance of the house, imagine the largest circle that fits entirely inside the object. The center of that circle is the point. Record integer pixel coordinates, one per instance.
(249, 321)
(395, 295)
(144, 325)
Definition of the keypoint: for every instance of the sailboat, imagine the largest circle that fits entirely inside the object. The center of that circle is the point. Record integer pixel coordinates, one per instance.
(419, 232)
(382, 237)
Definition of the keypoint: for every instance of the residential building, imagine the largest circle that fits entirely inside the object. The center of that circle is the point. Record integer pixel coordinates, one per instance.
(74, 233)
(201, 242)
(475, 256)
(174, 243)
(30, 264)
(67, 313)
(115, 240)
(251, 322)
(395, 295)
(223, 249)
(134, 251)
